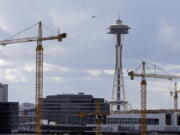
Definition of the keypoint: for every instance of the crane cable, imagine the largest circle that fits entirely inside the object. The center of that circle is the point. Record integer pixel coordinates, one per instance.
(48, 28)
(18, 33)
(160, 69)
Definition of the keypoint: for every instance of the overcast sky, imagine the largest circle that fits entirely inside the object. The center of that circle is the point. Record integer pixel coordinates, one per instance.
(84, 61)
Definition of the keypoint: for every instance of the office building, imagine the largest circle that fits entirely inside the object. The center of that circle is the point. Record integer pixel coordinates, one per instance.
(3, 92)
(66, 108)
(9, 116)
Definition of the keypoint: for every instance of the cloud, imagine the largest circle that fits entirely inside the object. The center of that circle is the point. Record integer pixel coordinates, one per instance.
(99, 72)
(172, 68)
(109, 71)
(13, 75)
(19, 72)
(29, 67)
(94, 73)
(69, 19)
(3, 26)
(52, 67)
(55, 79)
(168, 34)
(5, 62)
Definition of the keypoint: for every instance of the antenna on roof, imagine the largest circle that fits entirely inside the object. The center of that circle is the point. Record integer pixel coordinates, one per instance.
(119, 14)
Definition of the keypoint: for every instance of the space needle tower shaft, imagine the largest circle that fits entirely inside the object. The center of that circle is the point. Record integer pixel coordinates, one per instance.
(118, 96)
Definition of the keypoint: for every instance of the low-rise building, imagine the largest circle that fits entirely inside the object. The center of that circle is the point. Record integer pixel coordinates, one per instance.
(66, 108)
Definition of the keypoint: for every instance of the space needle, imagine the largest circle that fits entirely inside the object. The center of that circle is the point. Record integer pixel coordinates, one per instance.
(118, 102)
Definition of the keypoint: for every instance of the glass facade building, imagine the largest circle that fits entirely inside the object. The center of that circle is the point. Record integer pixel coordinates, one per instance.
(66, 108)
(9, 117)
(3, 92)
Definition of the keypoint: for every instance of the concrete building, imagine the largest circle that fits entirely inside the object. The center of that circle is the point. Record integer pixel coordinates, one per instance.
(3, 92)
(65, 108)
(158, 121)
(9, 117)
(26, 106)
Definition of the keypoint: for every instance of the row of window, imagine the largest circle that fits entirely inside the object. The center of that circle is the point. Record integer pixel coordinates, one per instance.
(131, 121)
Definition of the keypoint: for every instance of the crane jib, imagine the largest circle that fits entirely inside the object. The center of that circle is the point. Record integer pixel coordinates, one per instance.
(170, 77)
(31, 39)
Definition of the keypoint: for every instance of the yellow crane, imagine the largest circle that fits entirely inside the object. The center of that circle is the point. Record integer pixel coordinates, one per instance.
(99, 117)
(175, 93)
(144, 75)
(39, 69)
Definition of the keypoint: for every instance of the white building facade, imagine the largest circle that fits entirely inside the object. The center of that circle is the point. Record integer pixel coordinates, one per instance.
(161, 122)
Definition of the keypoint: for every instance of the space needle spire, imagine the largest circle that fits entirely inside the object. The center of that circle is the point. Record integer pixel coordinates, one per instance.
(118, 102)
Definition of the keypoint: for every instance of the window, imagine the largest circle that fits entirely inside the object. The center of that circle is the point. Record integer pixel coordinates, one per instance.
(132, 121)
(168, 119)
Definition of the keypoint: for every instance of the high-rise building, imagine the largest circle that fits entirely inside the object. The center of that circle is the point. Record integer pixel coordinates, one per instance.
(3, 92)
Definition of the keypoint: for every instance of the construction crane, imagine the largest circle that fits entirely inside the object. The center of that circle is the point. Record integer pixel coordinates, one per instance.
(175, 93)
(100, 115)
(144, 75)
(98, 119)
(39, 69)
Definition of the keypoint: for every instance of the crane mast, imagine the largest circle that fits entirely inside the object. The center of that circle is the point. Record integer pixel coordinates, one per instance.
(175, 98)
(39, 70)
(39, 81)
(144, 75)
(100, 115)
(143, 101)
(98, 120)
(175, 92)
